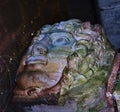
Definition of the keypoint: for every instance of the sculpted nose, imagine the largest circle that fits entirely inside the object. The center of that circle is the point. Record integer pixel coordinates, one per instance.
(37, 60)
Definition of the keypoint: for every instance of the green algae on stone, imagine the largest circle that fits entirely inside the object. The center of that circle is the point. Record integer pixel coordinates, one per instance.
(81, 58)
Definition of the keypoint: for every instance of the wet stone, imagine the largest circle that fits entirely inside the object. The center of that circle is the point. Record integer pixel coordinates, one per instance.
(78, 60)
(110, 18)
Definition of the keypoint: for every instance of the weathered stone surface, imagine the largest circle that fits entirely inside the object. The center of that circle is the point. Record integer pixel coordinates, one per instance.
(88, 57)
(70, 106)
(110, 18)
(111, 23)
(108, 3)
(23, 16)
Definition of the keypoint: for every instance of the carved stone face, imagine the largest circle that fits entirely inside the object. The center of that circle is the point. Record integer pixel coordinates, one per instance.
(70, 58)
(43, 65)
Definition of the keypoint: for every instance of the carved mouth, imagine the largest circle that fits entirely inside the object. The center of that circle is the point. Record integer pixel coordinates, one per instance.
(39, 81)
(34, 95)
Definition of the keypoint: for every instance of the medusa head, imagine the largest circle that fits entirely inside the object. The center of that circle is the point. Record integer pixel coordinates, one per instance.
(70, 59)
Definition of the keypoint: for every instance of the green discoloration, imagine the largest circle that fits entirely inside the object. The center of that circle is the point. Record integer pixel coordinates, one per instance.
(83, 49)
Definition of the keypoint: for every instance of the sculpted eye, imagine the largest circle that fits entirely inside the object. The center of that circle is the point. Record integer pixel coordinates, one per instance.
(61, 39)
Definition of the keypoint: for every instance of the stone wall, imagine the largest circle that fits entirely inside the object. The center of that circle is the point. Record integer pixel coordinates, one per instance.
(110, 17)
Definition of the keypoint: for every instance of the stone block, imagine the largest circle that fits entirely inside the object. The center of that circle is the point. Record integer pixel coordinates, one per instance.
(110, 19)
(108, 3)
